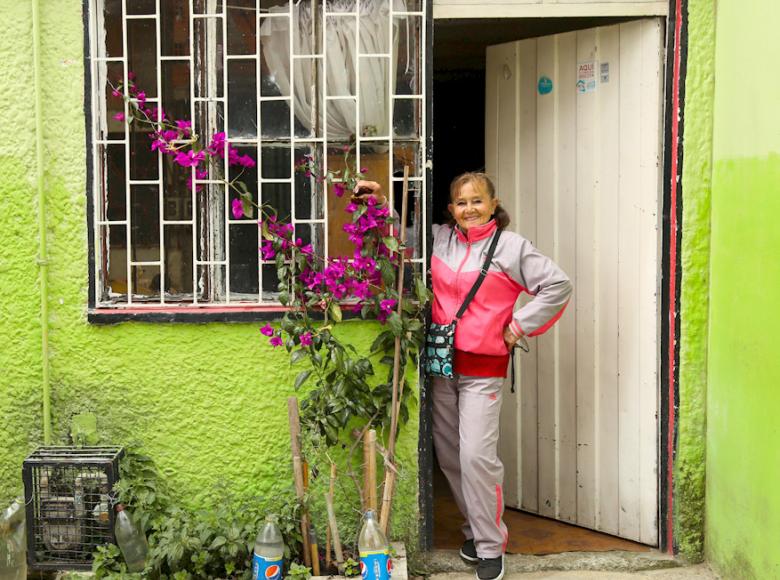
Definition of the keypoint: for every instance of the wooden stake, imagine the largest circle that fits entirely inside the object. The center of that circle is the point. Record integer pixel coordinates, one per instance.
(331, 491)
(315, 551)
(334, 529)
(371, 469)
(366, 482)
(387, 498)
(295, 444)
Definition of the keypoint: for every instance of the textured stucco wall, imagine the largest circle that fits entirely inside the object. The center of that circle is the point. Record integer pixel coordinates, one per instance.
(20, 354)
(689, 472)
(743, 402)
(208, 401)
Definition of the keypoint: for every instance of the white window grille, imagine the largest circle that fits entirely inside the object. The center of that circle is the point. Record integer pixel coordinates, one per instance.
(282, 79)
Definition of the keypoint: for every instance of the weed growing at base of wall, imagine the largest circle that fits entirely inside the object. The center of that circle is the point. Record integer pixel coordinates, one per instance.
(183, 544)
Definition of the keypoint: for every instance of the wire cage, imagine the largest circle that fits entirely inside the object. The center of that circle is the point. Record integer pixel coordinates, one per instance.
(67, 492)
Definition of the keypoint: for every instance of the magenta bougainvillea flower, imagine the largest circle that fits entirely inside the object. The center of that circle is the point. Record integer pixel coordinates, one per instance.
(237, 208)
(267, 330)
(276, 341)
(339, 189)
(388, 305)
(306, 339)
(119, 117)
(267, 250)
(189, 158)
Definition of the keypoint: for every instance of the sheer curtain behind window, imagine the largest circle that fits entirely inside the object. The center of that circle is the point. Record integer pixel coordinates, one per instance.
(340, 74)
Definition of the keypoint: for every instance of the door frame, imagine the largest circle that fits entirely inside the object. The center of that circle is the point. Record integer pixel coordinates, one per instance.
(671, 269)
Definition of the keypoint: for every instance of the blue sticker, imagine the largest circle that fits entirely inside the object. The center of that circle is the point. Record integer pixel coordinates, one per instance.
(545, 85)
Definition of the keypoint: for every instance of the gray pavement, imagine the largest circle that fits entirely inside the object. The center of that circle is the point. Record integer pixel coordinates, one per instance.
(700, 572)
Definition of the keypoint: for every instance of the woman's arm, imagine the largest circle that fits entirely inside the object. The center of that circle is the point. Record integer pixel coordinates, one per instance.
(550, 287)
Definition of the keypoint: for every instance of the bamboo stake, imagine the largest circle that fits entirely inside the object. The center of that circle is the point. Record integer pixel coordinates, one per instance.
(315, 551)
(334, 531)
(331, 491)
(387, 497)
(371, 469)
(366, 482)
(295, 444)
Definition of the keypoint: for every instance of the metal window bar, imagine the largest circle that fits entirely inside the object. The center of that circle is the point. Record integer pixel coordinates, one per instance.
(205, 255)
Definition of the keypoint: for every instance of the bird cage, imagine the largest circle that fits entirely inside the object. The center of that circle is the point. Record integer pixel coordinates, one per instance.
(67, 493)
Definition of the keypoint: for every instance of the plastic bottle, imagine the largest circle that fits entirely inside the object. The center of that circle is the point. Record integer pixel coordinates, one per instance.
(131, 540)
(268, 558)
(13, 562)
(375, 562)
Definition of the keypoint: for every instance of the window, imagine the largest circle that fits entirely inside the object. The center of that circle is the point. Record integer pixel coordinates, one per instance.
(281, 79)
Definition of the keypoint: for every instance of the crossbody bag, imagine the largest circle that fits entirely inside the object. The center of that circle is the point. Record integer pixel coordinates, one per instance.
(440, 340)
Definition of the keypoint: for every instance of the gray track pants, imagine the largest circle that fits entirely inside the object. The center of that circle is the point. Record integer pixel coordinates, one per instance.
(465, 434)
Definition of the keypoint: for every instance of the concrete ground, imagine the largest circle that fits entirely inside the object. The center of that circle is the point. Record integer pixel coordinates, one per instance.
(700, 572)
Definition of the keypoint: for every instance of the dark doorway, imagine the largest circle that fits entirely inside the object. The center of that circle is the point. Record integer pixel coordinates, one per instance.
(459, 145)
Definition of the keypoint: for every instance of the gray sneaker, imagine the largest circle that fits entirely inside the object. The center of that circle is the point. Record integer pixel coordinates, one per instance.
(468, 551)
(490, 568)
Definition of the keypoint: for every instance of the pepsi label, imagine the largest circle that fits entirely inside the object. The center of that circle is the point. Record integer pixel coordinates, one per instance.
(375, 565)
(266, 568)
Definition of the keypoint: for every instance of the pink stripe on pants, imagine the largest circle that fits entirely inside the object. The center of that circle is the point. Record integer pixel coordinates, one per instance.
(465, 435)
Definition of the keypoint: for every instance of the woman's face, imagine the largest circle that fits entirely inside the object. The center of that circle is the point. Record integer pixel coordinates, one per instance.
(472, 207)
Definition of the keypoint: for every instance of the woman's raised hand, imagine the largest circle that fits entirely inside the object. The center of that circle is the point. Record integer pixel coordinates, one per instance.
(365, 189)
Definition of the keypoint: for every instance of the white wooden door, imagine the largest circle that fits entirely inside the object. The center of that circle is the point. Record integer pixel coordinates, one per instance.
(574, 133)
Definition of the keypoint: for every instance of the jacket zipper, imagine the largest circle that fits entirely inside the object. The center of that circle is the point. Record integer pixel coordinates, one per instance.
(457, 277)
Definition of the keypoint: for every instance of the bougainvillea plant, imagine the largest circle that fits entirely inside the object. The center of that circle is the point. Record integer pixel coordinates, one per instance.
(316, 289)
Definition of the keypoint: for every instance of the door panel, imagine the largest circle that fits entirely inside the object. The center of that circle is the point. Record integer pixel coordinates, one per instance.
(573, 134)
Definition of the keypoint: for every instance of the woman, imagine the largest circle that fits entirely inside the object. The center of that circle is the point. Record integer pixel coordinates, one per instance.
(466, 407)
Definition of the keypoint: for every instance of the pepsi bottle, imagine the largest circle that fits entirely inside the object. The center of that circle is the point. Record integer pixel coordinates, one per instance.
(269, 552)
(375, 562)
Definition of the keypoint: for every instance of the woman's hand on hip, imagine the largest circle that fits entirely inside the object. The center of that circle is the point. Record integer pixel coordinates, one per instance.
(510, 339)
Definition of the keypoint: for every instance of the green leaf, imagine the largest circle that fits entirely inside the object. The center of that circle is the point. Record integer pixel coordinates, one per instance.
(391, 242)
(335, 311)
(298, 355)
(301, 378)
(388, 272)
(396, 324)
(247, 207)
(218, 542)
(284, 298)
(384, 338)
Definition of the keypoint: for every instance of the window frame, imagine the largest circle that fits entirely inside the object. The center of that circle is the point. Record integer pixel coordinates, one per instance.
(172, 311)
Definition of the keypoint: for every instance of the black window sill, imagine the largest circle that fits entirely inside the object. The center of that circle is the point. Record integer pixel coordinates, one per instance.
(186, 314)
(195, 314)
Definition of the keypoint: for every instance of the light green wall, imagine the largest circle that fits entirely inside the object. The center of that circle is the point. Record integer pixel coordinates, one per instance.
(743, 402)
(20, 354)
(209, 401)
(689, 469)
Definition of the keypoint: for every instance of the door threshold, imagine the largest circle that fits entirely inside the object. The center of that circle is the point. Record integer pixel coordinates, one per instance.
(448, 561)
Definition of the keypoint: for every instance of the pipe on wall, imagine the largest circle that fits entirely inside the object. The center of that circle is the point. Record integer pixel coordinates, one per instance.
(43, 257)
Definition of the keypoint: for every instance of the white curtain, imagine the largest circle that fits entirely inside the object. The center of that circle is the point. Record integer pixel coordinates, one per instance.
(340, 75)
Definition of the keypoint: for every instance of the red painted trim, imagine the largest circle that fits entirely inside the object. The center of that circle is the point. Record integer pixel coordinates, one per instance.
(168, 309)
(673, 273)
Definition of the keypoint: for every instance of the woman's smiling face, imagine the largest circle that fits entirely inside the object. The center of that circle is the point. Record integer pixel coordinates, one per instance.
(472, 207)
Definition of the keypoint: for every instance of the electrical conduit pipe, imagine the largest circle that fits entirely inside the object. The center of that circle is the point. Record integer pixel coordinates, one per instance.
(43, 257)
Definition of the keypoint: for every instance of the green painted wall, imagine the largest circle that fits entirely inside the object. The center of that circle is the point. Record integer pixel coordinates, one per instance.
(743, 402)
(689, 469)
(209, 401)
(20, 355)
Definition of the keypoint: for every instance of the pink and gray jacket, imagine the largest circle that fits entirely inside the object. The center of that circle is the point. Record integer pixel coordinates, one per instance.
(517, 267)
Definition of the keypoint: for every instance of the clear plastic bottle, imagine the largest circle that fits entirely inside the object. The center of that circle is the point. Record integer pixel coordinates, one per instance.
(131, 540)
(268, 558)
(13, 561)
(375, 562)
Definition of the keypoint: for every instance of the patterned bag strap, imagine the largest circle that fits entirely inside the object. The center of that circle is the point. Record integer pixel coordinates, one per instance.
(482, 274)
